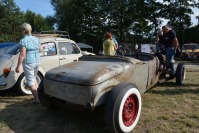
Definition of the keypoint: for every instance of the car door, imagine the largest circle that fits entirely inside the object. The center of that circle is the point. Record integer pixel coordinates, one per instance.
(68, 52)
(49, 56)
(140, 76)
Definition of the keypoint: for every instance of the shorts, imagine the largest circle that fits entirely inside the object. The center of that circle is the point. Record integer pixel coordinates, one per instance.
(30, 71)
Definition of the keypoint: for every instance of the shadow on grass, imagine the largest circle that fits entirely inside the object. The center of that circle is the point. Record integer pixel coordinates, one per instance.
(9, 92)
(176, 89)
(173, 84)
(21, 116)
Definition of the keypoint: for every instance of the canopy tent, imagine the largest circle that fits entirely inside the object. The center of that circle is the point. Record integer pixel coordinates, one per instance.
(85, 47)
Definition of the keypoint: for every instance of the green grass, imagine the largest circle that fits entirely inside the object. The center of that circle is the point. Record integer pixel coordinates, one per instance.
(170, 108)
(166, 108)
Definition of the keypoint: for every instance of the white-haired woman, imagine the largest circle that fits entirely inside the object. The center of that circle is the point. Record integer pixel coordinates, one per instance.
(29, 58)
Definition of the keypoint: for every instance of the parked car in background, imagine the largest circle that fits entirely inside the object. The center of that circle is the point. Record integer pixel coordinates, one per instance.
(5, 46)
(87, 53)
(56, 51)
(190, 52)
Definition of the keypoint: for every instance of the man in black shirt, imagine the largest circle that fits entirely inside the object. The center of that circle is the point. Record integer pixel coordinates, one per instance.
(171, 44)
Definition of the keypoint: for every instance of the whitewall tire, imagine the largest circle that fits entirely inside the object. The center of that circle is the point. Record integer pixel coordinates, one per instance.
(123, 108)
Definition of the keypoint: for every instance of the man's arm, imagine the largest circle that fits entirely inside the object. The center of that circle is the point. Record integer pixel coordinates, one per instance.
(175, 43)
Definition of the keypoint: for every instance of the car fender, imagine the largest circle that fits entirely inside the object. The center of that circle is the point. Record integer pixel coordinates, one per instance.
(42, 71)
(12, 78)
(101, 94)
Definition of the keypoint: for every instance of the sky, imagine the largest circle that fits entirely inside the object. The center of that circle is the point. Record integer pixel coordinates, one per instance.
(42, 7)
(45, 8)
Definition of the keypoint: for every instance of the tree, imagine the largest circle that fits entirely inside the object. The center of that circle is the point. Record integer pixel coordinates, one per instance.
(178, 12)
(192, 35)
(38, 22)
(132, 21)
(10, 19)
(81, 19)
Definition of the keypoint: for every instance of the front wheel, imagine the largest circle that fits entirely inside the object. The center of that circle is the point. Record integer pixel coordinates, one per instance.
(123, 108)
(21, 84)
(180, 74)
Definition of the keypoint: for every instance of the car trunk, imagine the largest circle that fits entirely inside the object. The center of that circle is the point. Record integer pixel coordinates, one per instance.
(85, 72)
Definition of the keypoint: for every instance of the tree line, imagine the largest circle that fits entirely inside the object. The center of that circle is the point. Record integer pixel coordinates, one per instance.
(131, 21)
(11, 19)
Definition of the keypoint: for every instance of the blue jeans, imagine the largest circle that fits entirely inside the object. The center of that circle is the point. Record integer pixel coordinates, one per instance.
(170, 53)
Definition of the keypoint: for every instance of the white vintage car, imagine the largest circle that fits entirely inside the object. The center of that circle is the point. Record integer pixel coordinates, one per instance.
(56, 51)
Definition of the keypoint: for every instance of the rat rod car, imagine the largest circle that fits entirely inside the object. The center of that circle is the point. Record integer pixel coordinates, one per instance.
(114, 81)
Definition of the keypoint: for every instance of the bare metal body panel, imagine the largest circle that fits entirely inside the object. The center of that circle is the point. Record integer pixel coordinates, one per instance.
(89, 80)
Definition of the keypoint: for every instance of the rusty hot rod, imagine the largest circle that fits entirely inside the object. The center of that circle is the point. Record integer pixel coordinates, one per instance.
(114, 81)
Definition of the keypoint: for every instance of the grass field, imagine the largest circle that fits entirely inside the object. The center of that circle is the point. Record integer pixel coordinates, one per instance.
(167, 108)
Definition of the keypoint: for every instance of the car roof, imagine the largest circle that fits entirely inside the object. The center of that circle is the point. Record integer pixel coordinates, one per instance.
(46, 39)
(53, 37)
(6, 44)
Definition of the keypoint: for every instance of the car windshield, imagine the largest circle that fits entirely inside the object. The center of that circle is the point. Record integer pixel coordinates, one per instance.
(13, 50)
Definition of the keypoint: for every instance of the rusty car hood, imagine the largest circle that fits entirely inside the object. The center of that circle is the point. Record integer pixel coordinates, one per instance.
(85, 72)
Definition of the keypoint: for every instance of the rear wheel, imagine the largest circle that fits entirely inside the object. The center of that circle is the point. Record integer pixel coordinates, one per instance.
(21, 84)
(180, 73)
(123, 108)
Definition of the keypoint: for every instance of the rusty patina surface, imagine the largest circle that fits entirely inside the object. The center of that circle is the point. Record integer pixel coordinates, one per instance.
(89, 80)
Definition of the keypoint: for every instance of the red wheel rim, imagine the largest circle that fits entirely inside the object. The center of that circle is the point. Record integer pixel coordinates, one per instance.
(130, 110)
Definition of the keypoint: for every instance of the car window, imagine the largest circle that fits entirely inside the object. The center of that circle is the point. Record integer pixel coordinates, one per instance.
(66, 48)
(49, 49)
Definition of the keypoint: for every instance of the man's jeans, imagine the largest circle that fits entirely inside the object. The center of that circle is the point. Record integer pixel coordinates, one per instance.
(170, 53)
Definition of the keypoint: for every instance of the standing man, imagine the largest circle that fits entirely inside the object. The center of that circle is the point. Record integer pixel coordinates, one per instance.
(171, 43)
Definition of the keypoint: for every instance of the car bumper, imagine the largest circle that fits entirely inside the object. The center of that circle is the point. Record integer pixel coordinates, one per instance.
(3, 85)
